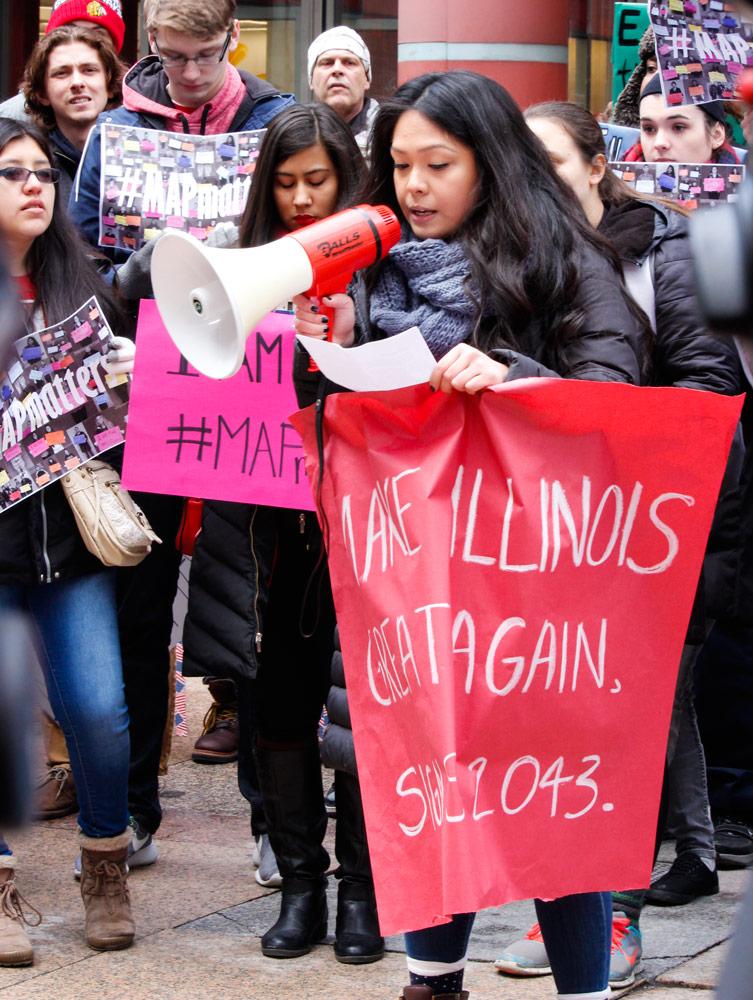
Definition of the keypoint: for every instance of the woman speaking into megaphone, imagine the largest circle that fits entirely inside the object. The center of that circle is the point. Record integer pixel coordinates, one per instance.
(505, 279)
(269, 558)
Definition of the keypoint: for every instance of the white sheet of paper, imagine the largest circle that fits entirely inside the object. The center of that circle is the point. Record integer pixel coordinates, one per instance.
(392, 363)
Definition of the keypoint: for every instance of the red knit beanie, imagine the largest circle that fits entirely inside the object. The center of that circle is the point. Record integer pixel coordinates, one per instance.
(106, 13)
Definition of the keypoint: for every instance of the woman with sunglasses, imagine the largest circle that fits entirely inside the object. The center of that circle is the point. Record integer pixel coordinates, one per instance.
(186, 85)
(47, 573)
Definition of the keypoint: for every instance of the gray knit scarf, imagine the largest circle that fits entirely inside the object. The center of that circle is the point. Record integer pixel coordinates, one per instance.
(423, 283)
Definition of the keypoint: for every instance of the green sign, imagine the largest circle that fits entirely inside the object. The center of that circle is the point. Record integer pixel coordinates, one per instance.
(630, 21)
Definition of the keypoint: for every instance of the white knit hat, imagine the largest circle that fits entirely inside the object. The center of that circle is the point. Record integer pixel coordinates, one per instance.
(343, 38)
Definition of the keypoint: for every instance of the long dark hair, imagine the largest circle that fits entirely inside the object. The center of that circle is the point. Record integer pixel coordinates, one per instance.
(585, 132)
(295, 129)
(526, 227)
(59, 263)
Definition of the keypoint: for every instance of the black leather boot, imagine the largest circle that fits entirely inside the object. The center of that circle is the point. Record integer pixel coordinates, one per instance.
(291, 784)
(357, 937)
(302, 921)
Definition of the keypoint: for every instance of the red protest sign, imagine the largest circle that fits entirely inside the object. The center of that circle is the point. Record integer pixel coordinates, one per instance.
(513, 575)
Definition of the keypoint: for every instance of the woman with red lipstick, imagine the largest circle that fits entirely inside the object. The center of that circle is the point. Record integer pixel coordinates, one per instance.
(47, 574)
(505, 279)
(305, 172)
(260, 608)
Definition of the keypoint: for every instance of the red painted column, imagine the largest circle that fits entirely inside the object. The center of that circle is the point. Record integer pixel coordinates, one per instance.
(522, 46)
(24, 32)
(131, 15)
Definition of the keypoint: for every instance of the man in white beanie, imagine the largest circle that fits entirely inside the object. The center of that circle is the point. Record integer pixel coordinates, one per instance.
(339, 66)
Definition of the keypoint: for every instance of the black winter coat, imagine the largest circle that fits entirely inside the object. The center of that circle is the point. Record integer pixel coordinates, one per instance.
(223, 620)
(232, 572)
(67, 159)
(40, 542)
(39, 539)
(686, 355)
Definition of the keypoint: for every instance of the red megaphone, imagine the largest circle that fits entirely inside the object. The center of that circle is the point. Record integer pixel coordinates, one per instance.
(210, 299)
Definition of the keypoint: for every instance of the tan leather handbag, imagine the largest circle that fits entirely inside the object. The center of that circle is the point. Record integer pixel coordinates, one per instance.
(112, 526)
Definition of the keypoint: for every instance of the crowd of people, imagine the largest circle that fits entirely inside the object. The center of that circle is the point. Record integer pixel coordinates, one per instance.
(608, 296)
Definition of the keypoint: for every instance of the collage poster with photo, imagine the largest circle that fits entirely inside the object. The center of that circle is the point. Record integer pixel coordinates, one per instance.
(702, 48)
(59, 405)
(693, 185)
(153, 181)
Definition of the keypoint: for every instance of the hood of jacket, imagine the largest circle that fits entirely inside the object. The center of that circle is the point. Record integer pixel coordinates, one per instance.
(145, 92)
(638, 226)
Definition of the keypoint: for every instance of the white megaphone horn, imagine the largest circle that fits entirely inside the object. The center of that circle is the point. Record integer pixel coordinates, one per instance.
(210, 300)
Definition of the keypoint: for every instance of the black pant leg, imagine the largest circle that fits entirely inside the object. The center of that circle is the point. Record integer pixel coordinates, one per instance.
(145, 619)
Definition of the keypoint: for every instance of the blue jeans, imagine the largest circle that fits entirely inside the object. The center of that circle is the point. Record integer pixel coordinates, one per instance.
(77, 630)
(577, 932)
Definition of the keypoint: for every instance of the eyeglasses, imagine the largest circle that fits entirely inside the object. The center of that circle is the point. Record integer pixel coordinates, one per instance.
(45, 175)
(207, 59)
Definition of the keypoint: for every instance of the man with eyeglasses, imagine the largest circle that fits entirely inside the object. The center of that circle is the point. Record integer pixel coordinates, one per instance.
(187, 85)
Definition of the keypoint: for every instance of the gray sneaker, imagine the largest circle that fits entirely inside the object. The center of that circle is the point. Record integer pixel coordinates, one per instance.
(526, 957)
(268, 873)
(627, 949)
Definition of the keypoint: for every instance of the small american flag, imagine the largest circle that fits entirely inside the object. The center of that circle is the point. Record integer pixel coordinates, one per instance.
(181, 724)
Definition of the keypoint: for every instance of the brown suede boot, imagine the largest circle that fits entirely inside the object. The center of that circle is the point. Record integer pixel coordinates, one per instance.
(109, 925)
(15, 946)
(56, 792)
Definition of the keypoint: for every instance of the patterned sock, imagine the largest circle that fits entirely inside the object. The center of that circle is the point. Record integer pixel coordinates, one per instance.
(450, 982)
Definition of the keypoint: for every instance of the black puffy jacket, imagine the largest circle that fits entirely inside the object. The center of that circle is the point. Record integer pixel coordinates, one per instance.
(223, 620)
(234, 564)
(686, 355)
(336, 747)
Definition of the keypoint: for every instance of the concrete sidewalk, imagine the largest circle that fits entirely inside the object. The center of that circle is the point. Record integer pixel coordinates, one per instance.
(199, 915)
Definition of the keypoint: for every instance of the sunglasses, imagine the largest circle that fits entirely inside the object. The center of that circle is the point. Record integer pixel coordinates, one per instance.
(45, 175)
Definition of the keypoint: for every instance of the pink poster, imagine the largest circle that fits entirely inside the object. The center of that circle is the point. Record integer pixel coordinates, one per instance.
(190, 435)
(513, 575)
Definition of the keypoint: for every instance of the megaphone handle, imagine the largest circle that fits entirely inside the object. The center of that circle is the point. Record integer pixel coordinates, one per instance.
(329, 313)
